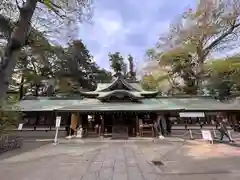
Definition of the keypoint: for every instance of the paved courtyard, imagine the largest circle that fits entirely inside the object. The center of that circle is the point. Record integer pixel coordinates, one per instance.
(112, 160)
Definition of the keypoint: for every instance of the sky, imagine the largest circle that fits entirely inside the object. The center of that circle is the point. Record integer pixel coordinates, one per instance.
(129, 27)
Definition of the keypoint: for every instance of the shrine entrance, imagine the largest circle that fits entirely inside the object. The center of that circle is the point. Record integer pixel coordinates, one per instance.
(123, 126)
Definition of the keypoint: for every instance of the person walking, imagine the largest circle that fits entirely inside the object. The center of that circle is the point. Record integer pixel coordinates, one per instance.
(162, 125)
(223, 130)
(155, 128)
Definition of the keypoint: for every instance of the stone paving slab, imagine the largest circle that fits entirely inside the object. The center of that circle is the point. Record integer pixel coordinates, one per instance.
(112, 161)
(122, 160)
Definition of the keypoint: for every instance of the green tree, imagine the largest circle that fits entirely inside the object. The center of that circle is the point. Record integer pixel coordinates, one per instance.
(181, 65)
(102, 75)
(75, 65)
(34, 65)
(117, 63)
(19, 35)
(8, 120)
(222, 79)
(131, 72)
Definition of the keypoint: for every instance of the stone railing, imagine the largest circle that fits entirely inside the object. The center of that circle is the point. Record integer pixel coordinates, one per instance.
(10, 142)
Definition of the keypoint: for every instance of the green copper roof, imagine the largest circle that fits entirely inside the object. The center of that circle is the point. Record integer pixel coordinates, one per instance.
(43, 104)
(137, 86)
(123, 92)
(145, 105)
(150, 104)
(119, 87)
(102, 86)
(200, 103)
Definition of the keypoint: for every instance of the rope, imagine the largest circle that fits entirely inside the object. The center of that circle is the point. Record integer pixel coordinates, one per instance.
(182, 135)
(197, 133)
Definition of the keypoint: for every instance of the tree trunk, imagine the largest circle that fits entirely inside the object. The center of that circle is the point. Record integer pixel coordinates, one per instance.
(37, 87)
(200, 72)
(16, 41)
(21, 89)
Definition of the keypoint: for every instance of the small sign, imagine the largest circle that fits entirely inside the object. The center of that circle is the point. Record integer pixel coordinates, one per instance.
(20, 126)
(58, 121)
(207, 135)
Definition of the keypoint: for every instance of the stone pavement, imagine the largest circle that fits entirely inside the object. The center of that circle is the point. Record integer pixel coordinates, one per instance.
(113, 160)
(195, 160)
(74, 162)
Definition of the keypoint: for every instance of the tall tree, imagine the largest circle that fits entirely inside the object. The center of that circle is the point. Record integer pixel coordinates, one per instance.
(212, 28)
(181, 67)
(75, 65)
(131, 72)
(34, 66)
(19, 35)
(149, 83)
(117, 63)
(223, 77)
(102, 75)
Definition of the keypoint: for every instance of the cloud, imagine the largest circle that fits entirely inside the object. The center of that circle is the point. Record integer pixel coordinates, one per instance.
(128, 26)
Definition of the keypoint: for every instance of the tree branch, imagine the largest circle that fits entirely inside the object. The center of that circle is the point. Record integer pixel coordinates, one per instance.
(220, 38)
(18, 6)
(55, 8)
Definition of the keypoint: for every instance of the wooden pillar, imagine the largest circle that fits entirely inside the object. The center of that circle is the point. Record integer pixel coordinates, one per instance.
(234, 118)
(79, 120)
(74, 121)
(98, 121)
(102, 125)
(137, 125)
(84, 120)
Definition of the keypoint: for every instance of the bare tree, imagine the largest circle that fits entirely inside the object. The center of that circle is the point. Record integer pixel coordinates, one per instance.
(211, 29)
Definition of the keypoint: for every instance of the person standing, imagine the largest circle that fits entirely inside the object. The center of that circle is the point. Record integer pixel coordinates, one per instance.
(162, 125)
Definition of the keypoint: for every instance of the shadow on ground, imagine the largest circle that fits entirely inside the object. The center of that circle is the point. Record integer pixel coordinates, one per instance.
(234, 144)
(28, 145)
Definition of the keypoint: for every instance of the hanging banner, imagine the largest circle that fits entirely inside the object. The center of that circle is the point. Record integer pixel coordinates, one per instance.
(191, 114)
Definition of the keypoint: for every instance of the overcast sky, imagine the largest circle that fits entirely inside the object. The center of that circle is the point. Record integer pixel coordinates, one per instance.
(128, 26)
